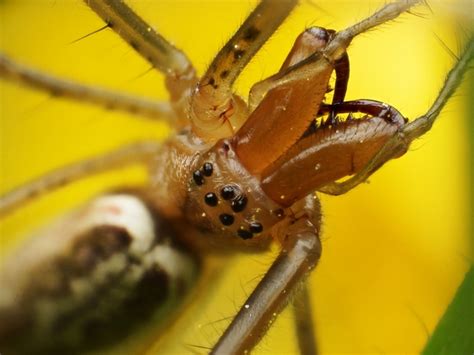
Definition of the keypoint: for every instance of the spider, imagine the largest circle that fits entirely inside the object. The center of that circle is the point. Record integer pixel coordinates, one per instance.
(205, 171)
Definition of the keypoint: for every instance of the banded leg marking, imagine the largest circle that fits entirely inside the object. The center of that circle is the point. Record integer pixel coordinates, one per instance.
(142, 37)
(179, 71)
(213, 103)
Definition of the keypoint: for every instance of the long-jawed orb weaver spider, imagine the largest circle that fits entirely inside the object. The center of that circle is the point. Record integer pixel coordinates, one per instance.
(278, 196)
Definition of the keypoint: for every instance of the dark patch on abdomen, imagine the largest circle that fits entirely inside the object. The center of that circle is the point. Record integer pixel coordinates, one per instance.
(115, 310)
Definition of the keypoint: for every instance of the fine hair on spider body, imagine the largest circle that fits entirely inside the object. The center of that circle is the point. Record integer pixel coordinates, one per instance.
(237, 175)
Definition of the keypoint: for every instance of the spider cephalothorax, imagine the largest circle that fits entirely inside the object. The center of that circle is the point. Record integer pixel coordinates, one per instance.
(244, 184)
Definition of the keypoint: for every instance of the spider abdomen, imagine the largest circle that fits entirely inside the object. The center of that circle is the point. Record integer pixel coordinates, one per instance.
(83, 285)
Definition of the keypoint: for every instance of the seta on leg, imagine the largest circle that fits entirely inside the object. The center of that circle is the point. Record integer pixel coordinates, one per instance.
(180, 73)
(138, 153)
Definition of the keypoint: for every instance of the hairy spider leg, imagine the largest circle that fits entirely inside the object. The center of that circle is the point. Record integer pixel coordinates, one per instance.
(112, 100)
(300, 254)
(400, 141)
(138, 153)
(304, 324)
(215, 111)
(180, 73)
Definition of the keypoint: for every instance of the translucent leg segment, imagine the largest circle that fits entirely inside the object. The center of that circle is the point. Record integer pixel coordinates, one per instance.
(300, 254)
(16, 72)
(133, 154)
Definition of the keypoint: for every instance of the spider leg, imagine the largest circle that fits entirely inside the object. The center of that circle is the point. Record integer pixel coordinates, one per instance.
(11, 70)
(401, 140)
(213, 102)
(180, 73)
(138, 153)
(300, 253)
(336, 49)
(305, 331)
(288, 100)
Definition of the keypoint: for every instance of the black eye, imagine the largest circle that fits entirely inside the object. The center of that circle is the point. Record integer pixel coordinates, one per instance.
(198, 178)
(228, 192)
(256, 227)
(244, 234)
(210, 199)
(238, 205)
(207, 169)
(226, 219)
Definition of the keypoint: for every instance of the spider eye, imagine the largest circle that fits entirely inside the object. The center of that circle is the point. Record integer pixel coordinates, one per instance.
(238, 205)
(228, 192)
(198, 177)
(256, 227)
(211, 199)
(226, 219)
(207, 169)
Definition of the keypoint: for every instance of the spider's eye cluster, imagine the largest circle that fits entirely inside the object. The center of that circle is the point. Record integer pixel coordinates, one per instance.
(226, 205)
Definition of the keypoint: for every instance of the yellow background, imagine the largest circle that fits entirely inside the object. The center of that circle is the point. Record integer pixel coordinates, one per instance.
(394, 250)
